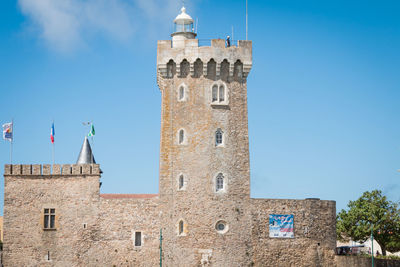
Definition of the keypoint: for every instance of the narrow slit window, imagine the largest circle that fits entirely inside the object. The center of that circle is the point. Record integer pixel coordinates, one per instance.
(218, 137)
(219, 183)
(138, 239)
(181, 93)
(181, 136)
(181, 181)
(180, 230)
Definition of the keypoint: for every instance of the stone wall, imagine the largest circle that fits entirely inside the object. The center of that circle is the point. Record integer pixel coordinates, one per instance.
(91, 230)
(198, 158)
(27, 192)
(355, 261)
(314, 233)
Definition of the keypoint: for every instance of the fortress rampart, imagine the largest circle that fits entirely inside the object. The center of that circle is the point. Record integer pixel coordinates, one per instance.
(47, 169)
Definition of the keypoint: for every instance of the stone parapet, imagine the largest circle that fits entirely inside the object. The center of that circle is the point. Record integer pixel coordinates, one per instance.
(191, 52)
(47, 169)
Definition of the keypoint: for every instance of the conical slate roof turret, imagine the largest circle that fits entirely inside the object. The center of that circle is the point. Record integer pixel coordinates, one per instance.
(86, 155)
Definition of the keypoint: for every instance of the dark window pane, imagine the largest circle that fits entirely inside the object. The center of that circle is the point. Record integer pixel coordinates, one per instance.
(138, 239)
(181, 181)
(46, 210)
(181, 227)
(52, 211)
(52, 221)
(46, 221)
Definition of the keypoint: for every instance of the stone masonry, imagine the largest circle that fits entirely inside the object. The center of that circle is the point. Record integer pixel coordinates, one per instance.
(203, 207)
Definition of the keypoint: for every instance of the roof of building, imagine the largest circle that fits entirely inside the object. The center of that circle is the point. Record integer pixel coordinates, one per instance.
(183, 18)
(118, 196)
(86, 154)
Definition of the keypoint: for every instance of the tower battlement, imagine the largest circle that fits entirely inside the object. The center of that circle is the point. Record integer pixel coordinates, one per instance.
(207, 61)
(46, 170)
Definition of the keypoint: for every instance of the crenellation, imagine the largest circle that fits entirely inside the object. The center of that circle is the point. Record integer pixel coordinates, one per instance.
(66, 169)
(16, 169)
(86, 169)
(26, 169)
(46, 169)
(7, 169)
(96, 169)
(76, 169)
(36, 169)
(56, 169)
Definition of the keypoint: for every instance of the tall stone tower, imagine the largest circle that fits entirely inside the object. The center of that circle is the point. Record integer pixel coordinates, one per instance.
(204, 157)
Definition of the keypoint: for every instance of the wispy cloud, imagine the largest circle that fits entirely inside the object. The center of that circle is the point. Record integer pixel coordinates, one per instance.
(68, 24)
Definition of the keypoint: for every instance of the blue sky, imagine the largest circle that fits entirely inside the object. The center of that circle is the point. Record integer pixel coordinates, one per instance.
(323, 93)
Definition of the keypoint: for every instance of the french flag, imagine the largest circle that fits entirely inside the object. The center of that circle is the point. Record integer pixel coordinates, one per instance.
(52, 133)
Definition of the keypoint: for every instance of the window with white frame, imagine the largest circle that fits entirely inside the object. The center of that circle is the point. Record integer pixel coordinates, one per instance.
(218, 94)
(219, 182)
(219, 137)
(181, 136)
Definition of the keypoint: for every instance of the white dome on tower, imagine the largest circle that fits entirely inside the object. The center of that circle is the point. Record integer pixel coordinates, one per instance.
(183, 18)
(184, 29)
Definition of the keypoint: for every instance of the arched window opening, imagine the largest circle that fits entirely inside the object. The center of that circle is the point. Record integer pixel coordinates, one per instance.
(181, 136)
(181, 181)
(219, 183)
(180, 227)
(181, 93)
(215, 93)
(211, 69)
(198, 68)
(185, 68)
(224, 70)
(218, 94)
(218, 137)
(221, 93)
(238, 71)
(171, 69)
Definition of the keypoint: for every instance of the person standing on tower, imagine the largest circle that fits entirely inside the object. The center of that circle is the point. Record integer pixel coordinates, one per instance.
(228, 41)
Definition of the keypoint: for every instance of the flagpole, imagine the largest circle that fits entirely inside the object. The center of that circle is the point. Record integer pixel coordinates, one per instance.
(12, 139)
(53, 143)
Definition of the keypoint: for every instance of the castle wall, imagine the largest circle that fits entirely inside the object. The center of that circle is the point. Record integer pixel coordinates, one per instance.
(29, 189)
(314, 233)
(90, 230)
(111, 240)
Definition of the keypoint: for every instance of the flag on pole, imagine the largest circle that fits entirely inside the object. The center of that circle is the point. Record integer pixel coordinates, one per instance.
(8, 131)
(52, 133)
(92, 132)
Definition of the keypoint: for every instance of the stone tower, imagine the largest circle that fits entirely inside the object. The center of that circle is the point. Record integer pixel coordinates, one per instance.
(204, 157)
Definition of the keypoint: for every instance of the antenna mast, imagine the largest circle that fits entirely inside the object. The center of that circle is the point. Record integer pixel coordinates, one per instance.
(247, 28)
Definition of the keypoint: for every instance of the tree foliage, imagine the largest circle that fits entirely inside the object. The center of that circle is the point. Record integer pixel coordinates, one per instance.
(371, 209)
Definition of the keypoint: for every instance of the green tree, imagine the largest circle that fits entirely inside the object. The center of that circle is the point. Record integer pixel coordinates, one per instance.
(371, 209)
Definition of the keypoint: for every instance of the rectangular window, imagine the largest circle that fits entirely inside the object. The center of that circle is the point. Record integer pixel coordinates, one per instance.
(138, 239)
(49, 219)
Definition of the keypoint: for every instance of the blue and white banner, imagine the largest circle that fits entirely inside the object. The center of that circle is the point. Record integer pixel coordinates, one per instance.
(281, 226)
(8, 131)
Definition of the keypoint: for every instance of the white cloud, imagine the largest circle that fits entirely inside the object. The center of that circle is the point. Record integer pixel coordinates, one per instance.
(68, 24)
